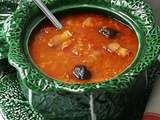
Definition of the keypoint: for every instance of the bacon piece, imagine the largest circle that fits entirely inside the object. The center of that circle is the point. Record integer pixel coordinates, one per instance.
(59, 38)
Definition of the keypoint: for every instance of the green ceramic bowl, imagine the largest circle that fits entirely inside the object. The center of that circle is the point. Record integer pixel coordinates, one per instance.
(41, 89)
(135, 13)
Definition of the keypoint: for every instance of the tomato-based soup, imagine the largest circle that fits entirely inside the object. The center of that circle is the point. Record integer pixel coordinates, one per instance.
(90, 48)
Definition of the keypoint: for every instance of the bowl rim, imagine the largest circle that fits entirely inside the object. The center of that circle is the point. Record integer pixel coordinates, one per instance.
(38, 82)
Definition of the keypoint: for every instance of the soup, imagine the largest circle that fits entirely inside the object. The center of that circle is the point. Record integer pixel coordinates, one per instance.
(91, 48)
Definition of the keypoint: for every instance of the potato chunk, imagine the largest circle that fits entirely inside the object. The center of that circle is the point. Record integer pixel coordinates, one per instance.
(113, 47)
(88, 22)
(59, 38)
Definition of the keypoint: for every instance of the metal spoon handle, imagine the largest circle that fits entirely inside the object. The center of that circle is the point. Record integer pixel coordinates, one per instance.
(47, 12)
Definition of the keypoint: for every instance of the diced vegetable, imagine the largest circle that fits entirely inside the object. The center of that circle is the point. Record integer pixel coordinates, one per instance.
(123, 52)
(115, 47)
(88, 22)
(108, 32)
(81, 72)
(78, 49)
(66, 44)
(75, 52)
(59, 38)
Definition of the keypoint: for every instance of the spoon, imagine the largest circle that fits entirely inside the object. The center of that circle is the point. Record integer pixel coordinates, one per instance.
(48, 13)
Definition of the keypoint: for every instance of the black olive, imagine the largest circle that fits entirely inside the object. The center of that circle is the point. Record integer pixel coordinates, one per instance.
(108, 32)
(81, 72)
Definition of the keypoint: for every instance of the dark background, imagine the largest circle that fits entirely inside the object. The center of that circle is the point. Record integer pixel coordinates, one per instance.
(156, 7)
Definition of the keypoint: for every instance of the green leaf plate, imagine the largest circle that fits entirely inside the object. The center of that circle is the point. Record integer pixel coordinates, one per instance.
(12, 102)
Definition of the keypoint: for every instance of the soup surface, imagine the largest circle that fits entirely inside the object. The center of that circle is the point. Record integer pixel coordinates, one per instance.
(91, 48)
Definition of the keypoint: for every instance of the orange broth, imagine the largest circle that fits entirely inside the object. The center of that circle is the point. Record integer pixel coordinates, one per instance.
(86, 46)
